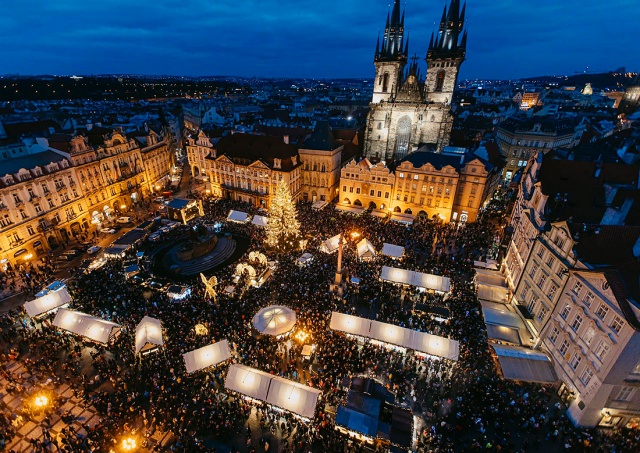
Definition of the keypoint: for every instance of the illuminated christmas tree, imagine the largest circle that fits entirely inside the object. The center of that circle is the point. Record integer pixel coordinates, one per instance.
(283, 228)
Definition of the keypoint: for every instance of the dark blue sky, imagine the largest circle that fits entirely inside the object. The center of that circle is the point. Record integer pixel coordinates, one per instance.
(306, 38)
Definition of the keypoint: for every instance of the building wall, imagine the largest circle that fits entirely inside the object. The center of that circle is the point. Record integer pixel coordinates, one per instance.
(594, 350)
(320, 174)
(450, 67)
(197, 151)
(363, 184)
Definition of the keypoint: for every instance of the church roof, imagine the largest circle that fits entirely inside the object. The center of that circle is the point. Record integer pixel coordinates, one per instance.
(322, 138)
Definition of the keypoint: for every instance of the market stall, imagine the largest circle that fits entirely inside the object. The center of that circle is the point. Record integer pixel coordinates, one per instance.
(366, 250)
(238, 216)
(392, 251)
(50, 301)
(148, 335)
(207, 356)
(87, 326)
(274, 320)
(421, 280)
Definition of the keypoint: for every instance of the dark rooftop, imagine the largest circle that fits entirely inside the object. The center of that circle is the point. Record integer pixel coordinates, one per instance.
(439, 160)
(321, 139)
(30, 161)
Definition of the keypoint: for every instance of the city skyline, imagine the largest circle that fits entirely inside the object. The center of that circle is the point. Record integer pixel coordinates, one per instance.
(289, 39)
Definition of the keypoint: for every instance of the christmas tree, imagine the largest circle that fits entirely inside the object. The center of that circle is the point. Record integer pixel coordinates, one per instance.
(283, 228)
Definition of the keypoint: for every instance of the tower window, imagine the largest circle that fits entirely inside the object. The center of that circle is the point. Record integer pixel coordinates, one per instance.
(385, 82)
(440, 81)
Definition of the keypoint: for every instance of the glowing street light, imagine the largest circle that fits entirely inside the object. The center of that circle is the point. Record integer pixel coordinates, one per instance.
(41, 401)
(129, 444)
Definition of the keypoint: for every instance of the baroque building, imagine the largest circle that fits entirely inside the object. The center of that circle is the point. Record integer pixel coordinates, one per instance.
(321, 156)
(405, 111)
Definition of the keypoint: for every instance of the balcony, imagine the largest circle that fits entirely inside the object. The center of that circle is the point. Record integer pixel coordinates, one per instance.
(16, 243)
(44, 226)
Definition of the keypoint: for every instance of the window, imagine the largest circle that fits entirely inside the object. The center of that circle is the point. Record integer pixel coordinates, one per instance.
(602, 350)
(552, 292)
(542, 280)
(533, 271)
(401, 175)
(577, 287)
(386, 194)
(577, 322)
(565, 311)
(550, 260)
(542, 313)
(350, 189)
(344, 188)
(588, 298)
(564, 347)
(357, 190)
(416, 177)
(586, 376)
(625, 394)
(588, 336)
(524, 292)
(30, 230)
(575, 361)
(553, 336)
(532, 304)
(617, 324)
(38, 208)
(602, 311)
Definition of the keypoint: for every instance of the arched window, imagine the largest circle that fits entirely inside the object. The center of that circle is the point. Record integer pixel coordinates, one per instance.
(440, 81)
(403, 137)
(385, 82)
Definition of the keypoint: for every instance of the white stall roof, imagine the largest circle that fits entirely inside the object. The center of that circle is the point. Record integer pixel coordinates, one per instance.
(502, 318)
(488, 277)
(331, 245)
(207, 356)
(389, 333)
(393, 251)
(88, 326)
(52, 287)
(260, 220)
(419, 279)
(490, 264)
(49, 301)
(318, 205)
(381, 214)
(350, 209)
(396, 335)
(274, 320)
(522, 364)
(350, 324)
(248, 381)
(238, 216)
(493, 293)
(148, 334)
(297, 398)
(366, 250)
(306, 258)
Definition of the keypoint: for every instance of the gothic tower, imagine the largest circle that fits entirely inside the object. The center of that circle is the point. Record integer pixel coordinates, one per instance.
(391, 58)
(446, 53)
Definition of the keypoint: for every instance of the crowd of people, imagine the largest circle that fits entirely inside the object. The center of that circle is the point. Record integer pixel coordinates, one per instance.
(464, 405)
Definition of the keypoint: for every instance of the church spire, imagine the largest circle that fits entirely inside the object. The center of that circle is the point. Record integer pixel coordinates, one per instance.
(393, 45)
(451, 38)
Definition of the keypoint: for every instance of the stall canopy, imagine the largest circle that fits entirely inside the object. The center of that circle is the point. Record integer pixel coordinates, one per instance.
(238, 216)
(493, 293)
(260, 220)
(490, 264)
(52, 287)
(366, 250)
(88, 326)
(291, 396)
(306, 258)
(400, 336)
(318, 205)
(331, 245)
(522, 364)
(248, 381)
(393, 251)
(274, 320)
(407, 219)
(207, 356)
(488, 277)
(502, 325)
(419, 279)
(148, 335)
(350, 209)
(353, 325)
(49, 301)
(277, 391)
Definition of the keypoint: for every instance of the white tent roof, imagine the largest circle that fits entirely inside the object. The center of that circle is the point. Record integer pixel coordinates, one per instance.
(350, 324)
(280, 392)
(305, 258)
(148, 334)
(331, 245)
(366, 249)
(381, 214)
(52, 287)
(238, 216)
(48, 302)
(318, 205)
(390, 333)
(489, 277)
(394, 251)
(493, 293)
(428, 281)
(260, 220)
(435, 345)
(207, 356)
(502, 318)
(490, 264)
(274, 320)
(522, 364)
(350, 209)
(297, 398)
(248, 381)
(88, 326)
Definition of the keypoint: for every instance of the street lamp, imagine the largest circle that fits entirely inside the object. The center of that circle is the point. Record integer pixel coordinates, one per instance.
(129, 444)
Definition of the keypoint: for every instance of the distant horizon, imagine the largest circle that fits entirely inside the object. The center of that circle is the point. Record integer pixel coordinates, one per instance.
(508, 39)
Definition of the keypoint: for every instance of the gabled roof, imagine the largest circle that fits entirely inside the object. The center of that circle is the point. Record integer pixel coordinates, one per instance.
(604, 244)
(321, 139)
(439, 160)
(250, 148)
(29, 162)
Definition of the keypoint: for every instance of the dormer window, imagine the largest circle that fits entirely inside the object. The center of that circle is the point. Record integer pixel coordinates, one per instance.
(277, 163)
(294, 159)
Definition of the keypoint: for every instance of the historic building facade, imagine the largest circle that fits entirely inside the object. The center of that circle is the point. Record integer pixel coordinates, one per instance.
(321, 156)
(405, 111)
(451, 186)
(247, 168)
(198, 148)
(41, 206)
